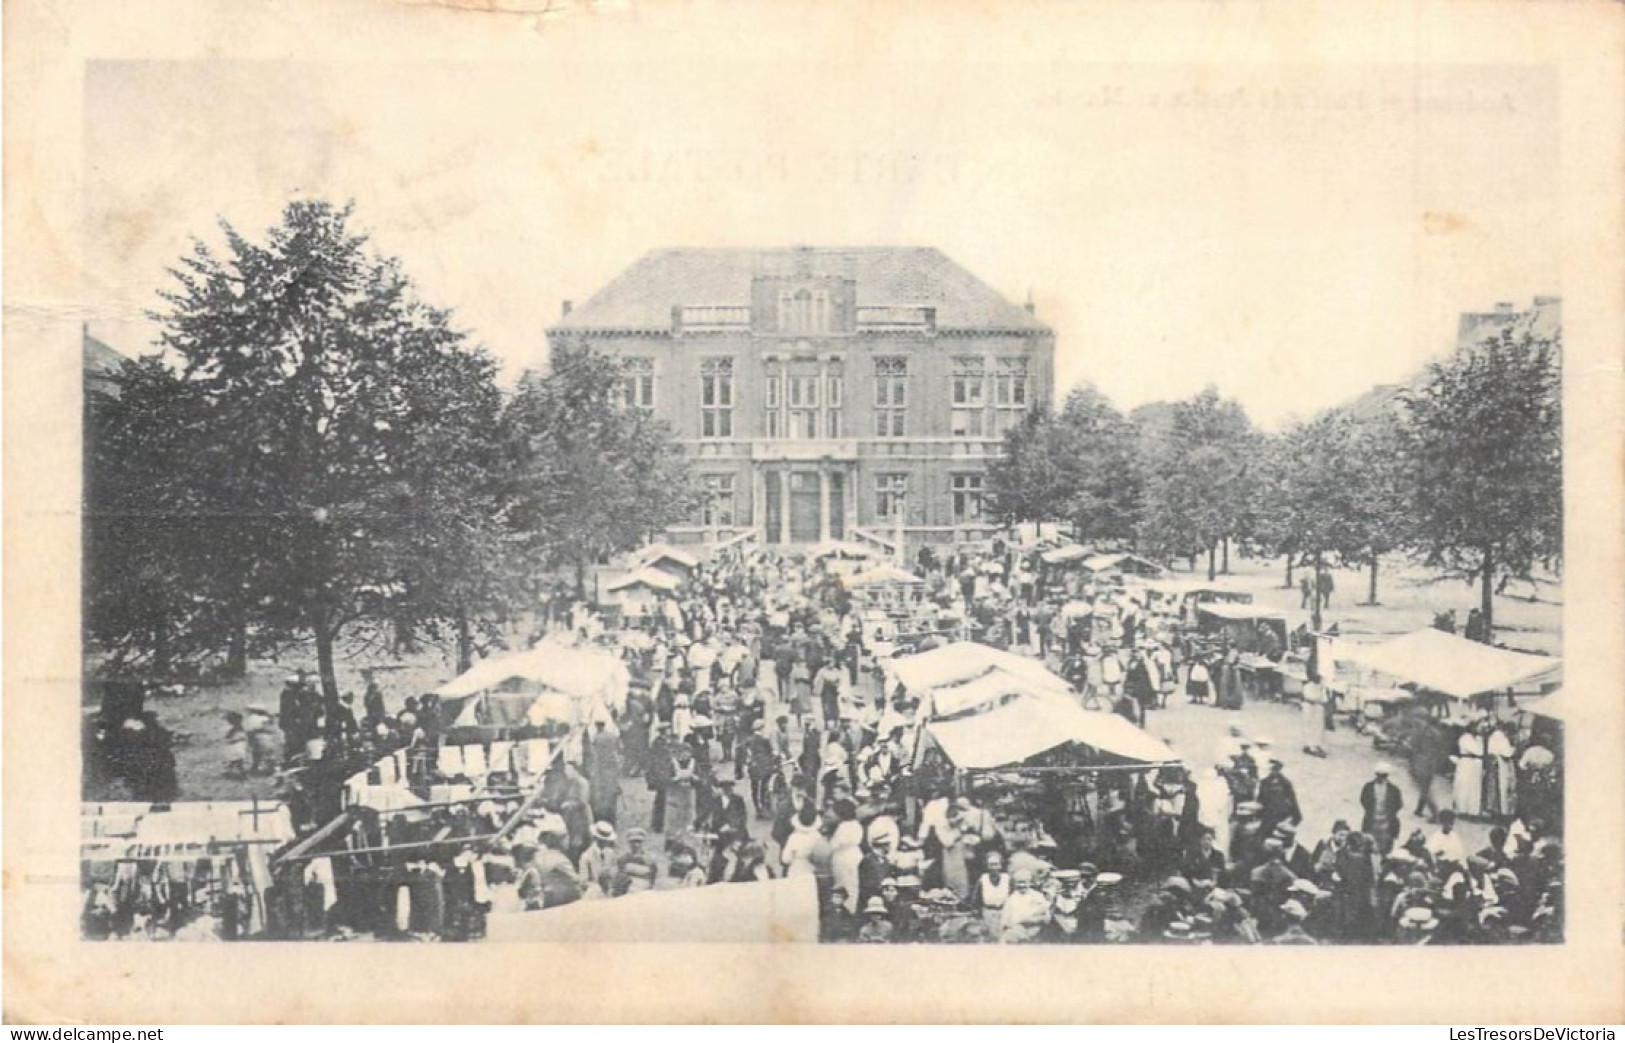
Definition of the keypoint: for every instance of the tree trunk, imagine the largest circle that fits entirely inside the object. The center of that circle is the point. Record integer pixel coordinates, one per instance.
(1486, 595)
(1320, 565)
(465, 641)
(1372, 600)
(1225, 567)
(324, 658)
(1212, 549)
(236, 666)
(581, 578)
(1289, 564)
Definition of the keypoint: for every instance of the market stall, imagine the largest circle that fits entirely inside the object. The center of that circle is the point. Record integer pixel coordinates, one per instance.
(678, 563)
(639, 593)
(1049, 771)
(1442, 668)
(893, 590)
(1182, 597)
(1106, 565)
(197, 870)
(963, 661)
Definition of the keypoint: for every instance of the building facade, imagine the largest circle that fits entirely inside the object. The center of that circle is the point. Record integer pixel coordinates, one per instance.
(824, 393)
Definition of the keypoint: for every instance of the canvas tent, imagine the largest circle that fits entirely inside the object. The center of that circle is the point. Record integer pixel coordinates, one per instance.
(782, 910)
(669, 559)
(1453, 665)
(963, 661)
(995, 686)
(650, 579)
(567, 682)
(1066, 555)
(1131, 564)
(883, 575)
(1027, 728)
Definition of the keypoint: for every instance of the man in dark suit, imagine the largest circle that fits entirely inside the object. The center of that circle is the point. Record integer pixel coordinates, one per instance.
(1280, 799)
(1382, 803)
(730, 809)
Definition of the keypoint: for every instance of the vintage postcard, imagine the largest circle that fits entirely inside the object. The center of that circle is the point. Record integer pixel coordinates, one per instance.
(789, 512)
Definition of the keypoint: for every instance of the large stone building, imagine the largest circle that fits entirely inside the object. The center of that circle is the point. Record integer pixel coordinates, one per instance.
(824, 393)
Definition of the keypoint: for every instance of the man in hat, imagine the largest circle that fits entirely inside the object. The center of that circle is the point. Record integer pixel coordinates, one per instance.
(877, 926)
(1381, 802)
(661, 771)
(1278, 797)
(600, 863)
(730, 809)
(1297, 857)
(638, 869)
(1295, 914)
(1247, 837)
(761, 761)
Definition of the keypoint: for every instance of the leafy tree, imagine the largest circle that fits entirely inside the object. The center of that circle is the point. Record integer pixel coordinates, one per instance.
(1485, 448)
(1100, 477)
(1197, 476)
(1079, 465)
(339, 421)
(592, 476)
(1024, 483)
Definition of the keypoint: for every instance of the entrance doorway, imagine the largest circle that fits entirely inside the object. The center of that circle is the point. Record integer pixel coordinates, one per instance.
(804, 506)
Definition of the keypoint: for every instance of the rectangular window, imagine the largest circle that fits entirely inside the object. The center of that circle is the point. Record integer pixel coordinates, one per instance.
(717, 398)
(1009, 394)
(638, 383)
(717, 505)
(967, 494)
(891, 495)
(1011, 384)
(891, 396)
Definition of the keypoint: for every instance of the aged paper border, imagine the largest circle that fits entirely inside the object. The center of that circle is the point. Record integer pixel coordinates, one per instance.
(52, 977)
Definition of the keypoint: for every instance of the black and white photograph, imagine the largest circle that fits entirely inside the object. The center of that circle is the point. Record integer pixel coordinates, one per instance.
(927, 499)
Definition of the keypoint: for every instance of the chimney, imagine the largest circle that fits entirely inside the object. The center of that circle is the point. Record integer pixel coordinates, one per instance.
(676, 318)
(929, 314)
(1548, 302)
(564, 311)
(1031, 308)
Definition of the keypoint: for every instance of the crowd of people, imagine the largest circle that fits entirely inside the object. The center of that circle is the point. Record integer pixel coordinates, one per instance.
(763, 737)
(819, 755)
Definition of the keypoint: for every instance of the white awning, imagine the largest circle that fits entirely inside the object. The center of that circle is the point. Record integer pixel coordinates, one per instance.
(782, 910)
(1452, 664)
(961, 661)
(1063, 555)
(882, 574)
(996, 685)
(658, 552)
(1027, 727)
(653, 578)
(581, 673)
(1125, 562)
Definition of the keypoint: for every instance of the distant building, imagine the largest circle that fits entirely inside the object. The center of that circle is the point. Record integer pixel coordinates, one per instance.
(1544, 318)
(824, 393)
(100, 364)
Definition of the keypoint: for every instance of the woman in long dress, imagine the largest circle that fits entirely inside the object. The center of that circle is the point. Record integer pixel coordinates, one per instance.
(680, 796)
(846, 852)
(1500, 778)
(1468, 788)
